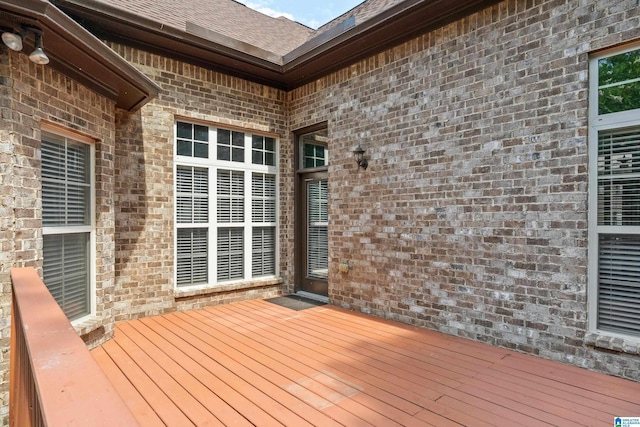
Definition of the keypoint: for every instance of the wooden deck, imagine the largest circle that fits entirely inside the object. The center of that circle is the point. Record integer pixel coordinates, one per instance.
(256, 363)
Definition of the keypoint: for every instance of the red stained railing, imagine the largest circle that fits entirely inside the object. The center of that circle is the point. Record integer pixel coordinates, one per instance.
(54, 380)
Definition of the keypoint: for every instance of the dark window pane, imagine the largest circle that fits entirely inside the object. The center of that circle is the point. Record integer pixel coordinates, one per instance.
(185, 130)
(238, 139)
(308, 150)
(238, 155)
(319, 162)
(224, 136)
(270, 159)
(320, 152)
(256, 157)
(308, 163)
(270, 144)
(224, 153)
(256, 141)
(184, 148)
(201, 133)
(201, 150)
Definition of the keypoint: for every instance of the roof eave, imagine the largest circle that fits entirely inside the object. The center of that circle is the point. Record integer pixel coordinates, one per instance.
(390, 28)
(80, 55)
(194, 44)
(337, 48)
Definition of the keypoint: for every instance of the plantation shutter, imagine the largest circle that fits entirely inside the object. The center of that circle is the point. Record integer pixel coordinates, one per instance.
(230, 253)
(263, 211)
(225, 221)
(193, 257)
(230, 196)
(619, 247)
(192, 195)
(263, 261)
(317, 230)
(66, 211)
(263, 198)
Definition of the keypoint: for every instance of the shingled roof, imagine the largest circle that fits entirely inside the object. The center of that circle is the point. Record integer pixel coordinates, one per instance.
(364, 11)
(226, 17)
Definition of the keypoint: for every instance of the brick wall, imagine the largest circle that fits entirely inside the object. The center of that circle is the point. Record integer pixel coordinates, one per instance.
(472, 216)
(31, 94)
(144, 196)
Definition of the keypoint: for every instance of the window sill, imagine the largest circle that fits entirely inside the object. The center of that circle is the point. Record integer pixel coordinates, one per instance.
(226, 288)
(613, 342)
(91, 329)
(86, 324)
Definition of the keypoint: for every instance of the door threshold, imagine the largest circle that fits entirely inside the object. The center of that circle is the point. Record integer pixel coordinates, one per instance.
(314, 297)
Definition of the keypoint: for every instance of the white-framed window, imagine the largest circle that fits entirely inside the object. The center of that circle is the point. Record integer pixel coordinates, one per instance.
(614, 195)
(67, 222)
(226, 205)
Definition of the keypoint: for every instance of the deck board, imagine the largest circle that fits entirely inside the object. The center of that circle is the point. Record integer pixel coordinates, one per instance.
(257, 363)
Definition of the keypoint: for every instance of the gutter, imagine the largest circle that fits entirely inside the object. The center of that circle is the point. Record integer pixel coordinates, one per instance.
(338, 47)
(79, 54)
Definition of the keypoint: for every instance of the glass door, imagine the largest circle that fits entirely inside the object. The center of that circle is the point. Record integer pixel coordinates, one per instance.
(312, 222)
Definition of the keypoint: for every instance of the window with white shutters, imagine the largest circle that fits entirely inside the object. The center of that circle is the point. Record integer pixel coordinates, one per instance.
(230, 186)
(67, 183)
(615, 193)
(226, 203)
(263, 218)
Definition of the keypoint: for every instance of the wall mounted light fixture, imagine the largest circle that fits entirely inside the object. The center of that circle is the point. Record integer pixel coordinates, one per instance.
(358, 154)
(38, 56)
(14, 41)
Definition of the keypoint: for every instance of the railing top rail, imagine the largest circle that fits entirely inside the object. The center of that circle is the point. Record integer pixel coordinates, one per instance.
(73, 390)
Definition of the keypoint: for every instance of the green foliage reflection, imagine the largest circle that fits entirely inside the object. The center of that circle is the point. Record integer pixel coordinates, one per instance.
(620, 76)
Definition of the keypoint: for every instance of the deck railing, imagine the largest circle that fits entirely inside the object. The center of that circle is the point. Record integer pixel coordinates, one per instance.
(54, 380)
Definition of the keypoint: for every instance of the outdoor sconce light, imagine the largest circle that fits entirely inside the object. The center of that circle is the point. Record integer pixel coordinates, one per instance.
(38, 56)
(14, 42)
(358, 154)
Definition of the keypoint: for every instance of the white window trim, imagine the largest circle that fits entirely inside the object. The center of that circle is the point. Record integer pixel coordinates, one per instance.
(58, 132)
(213, 165)
(598, 123)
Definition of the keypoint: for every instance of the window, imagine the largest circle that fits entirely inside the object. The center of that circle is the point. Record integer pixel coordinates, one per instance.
(614, 221)
(67, 211)
(226, 198)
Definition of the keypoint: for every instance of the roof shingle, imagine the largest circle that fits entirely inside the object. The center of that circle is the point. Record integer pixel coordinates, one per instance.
(364, 11)
(226, 17)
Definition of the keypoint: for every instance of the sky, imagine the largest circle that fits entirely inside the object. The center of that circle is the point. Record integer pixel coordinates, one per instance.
(312, 13)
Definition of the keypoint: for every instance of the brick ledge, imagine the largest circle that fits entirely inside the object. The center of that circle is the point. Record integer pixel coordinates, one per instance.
(218, 289)
(613, 342)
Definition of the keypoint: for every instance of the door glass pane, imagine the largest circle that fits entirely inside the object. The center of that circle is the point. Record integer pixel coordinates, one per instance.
(317, 230)
(314, 151)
